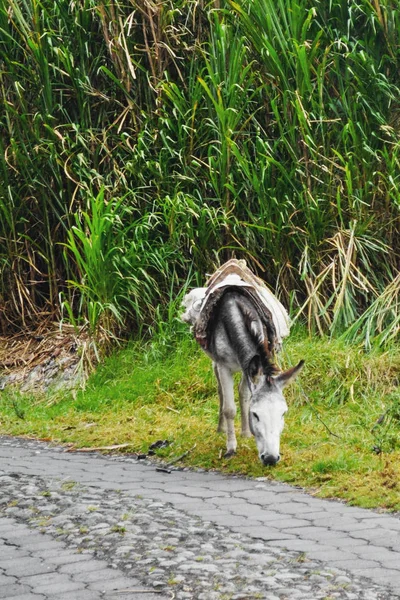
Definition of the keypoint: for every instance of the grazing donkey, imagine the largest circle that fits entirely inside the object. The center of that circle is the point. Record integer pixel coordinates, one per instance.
(237, 338)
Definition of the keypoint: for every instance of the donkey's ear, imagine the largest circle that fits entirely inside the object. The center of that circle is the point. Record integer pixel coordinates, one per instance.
(283, 379)
(253, 372)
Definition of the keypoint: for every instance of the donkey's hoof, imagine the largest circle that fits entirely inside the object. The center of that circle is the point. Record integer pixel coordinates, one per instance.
(246, 433)
(229, 453)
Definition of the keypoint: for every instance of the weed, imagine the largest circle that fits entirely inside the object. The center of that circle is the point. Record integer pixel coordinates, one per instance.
(68, 486)
(301, 557)
(385, 430)
(18, 409)
(118, 529)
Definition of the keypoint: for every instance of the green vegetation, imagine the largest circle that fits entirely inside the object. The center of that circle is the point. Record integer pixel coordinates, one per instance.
(340, 439)
(142, 143)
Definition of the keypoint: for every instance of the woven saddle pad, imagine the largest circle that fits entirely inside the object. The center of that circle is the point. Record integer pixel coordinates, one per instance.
(235, 275)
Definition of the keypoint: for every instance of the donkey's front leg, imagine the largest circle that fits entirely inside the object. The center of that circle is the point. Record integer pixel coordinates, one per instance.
(244, 399)
(225, 379)
(221, 419)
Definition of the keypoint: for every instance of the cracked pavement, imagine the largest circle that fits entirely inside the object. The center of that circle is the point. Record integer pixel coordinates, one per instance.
(85, 526)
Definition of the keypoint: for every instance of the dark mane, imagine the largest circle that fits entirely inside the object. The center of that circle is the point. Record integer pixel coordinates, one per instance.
(269, 369)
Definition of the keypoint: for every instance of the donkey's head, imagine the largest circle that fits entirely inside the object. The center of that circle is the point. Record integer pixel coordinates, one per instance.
(267, 407)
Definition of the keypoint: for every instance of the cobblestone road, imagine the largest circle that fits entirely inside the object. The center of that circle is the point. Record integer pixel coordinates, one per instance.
(85, 526)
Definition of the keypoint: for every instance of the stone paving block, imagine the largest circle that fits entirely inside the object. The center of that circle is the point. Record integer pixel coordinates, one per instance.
(28, 597)
(295, 507)
(288, 523)
(186, 504)
(356, 564)
(227, 500)
(146, 595)
(328, 506)
(45, 544)
(14, 589)
(214, 515)
(84, 566)
(360, 513)
(13, 533)
(385, 522)
(225, 520)
(198, 493)
(247, 510)
(317, 533)
(393, 563)
(260, 497)
(6, 579)
(12, 552)
(235, 487)
(270, 516)
(114, 585)
(307, 546)
(175, 498)
(337, 522)
(26, 567)
(104, 574)
(5, 524)
(386, 541)
(379, 554)
(334, 554)
(64, 556)
(104, 485)
(44, 579)
(348, 541)
(83, 594)
(367, 533)
(22, 537)
(74, 588)
(380, 574)
(264, 533)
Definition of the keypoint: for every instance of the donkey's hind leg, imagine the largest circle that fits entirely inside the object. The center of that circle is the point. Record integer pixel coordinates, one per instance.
(244, 399)
(225, 379)
(221, 419)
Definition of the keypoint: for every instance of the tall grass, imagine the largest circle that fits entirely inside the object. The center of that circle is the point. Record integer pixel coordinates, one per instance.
(142, 142)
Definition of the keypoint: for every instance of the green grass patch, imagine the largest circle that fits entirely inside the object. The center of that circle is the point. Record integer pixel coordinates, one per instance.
(341, 437)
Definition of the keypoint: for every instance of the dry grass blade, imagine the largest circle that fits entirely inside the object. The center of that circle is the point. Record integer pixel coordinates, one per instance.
(100, 448)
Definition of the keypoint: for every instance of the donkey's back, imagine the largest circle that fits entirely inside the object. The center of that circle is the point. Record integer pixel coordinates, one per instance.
(236, 332)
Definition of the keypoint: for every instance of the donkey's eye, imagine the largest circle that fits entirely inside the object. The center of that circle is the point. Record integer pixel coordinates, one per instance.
(255, 415)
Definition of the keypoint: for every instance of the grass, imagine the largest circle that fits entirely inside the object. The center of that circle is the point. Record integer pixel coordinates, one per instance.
(341, 437)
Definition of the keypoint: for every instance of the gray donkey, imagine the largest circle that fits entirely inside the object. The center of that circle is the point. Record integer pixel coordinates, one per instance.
(238, 340)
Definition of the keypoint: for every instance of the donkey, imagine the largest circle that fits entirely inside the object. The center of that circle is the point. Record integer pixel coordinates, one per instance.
(238, 342)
